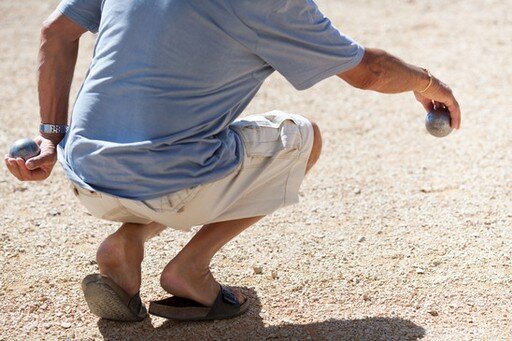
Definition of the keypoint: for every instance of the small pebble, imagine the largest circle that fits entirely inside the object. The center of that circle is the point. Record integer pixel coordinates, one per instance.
(258, 270)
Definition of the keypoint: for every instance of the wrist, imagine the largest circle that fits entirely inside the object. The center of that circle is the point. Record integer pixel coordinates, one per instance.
(54, 138)
(53, 132)
(424, 82)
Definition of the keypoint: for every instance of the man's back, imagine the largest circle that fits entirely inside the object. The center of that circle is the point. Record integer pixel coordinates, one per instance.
(167, 79)
(155, 115)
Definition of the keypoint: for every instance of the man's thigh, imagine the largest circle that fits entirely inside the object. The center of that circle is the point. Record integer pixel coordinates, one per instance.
(277, 146)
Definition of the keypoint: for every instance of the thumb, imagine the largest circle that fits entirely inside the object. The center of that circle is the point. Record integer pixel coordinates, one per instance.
(38, 161)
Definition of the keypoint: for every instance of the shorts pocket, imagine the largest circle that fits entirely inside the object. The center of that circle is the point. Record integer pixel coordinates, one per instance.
(268, 138)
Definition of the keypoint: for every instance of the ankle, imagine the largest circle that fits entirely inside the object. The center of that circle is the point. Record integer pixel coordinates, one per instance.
(197, 284)
(179, 271)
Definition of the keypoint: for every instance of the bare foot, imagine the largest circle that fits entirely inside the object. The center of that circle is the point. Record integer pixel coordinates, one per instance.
(184, 279)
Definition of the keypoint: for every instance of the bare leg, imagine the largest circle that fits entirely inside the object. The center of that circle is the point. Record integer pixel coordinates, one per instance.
(188, 274)
(120, 255)
(316, 150)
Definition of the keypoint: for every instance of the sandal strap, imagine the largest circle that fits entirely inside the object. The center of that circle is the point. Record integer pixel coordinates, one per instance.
(135, 305)
(224, 304)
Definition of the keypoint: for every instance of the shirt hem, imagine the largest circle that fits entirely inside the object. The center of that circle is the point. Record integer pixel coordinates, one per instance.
(333, 70)
(77, 18)
(77, 180)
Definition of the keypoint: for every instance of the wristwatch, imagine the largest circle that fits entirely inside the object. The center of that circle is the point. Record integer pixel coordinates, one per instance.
(53, 128)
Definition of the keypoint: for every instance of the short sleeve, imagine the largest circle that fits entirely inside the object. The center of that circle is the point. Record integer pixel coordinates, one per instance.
(299, 42)
(86, 13)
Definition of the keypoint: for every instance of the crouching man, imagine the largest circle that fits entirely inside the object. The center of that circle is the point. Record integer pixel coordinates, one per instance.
(155, 140)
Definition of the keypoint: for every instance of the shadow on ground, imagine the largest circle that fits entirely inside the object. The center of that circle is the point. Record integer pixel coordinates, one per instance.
(250, 327)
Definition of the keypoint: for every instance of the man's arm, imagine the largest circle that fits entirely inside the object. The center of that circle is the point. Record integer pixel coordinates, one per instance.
(57, 58)
(382, 72)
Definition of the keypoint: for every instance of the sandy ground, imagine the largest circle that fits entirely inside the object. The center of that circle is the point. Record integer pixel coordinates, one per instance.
(399, 235)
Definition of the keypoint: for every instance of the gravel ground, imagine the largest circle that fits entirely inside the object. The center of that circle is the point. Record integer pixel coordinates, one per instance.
(399, 235)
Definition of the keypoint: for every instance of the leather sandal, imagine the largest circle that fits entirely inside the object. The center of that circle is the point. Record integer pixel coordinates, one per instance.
(109, 301)
(178, 308)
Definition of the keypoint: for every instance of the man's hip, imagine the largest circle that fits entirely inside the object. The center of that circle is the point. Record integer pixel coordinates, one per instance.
(276, 145)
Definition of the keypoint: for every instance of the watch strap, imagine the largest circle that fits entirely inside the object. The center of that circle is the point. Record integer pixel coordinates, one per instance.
(53, 128)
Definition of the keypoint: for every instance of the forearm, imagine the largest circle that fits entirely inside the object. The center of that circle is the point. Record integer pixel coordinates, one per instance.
(385, 73)
(382, 72)
(57, 59)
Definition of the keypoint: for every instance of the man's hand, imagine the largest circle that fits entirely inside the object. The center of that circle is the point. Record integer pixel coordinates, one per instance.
(385, 73)
(36, 168)
(440, 95)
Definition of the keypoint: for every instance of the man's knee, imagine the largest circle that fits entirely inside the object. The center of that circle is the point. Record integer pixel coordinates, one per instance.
(317, 147)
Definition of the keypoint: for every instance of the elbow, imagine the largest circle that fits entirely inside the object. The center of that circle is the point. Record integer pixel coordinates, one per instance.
(49, 29)
(372, 64)
(55, 30)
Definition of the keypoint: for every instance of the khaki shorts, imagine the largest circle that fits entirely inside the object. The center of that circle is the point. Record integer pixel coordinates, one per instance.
(277, 146)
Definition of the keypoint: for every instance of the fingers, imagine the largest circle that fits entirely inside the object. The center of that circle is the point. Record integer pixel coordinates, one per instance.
(453, 107)
(30, 175)
(47, 155)
(442, 97)
(12, 166)
(24, 171)
(39, 160)
(428, 105)
(451, 104)
(455, 114)
(18, 168)
(38, 175)
(439, 105)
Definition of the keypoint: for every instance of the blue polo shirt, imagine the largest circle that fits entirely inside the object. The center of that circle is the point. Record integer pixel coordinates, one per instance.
(168, 77)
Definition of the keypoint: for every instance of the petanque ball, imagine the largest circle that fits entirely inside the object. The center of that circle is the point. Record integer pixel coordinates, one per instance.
(24, 148)
(438, 122)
